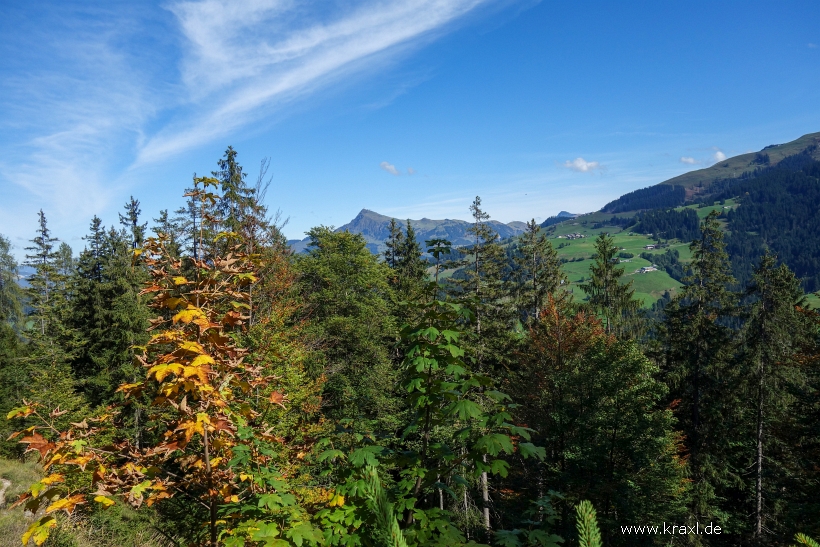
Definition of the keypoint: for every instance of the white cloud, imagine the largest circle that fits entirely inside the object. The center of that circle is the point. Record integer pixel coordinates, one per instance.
(390, 168)
(812, 46)
(243, 60)
(719, 155)
(583, 166)
(688, 160)
(411, 171)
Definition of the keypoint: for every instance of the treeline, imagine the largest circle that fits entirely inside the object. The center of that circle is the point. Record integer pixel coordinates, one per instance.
(778, 211)
(669, 224)
(660, 196)
(231, 393)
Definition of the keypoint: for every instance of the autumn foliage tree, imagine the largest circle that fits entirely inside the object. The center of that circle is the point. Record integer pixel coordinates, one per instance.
(208, 401)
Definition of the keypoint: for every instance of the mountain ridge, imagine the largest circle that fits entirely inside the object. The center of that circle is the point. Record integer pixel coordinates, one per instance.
(375, 228)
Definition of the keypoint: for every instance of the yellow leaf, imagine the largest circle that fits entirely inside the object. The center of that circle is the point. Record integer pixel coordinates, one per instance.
(173, 303)
(193, 347)
(53, 478)
(200, 372)
(161, 371)
(66, 504)
(179, 280)
(107, 502)
(39, 530)
(200, 360)
(337, 501)
(189, 315)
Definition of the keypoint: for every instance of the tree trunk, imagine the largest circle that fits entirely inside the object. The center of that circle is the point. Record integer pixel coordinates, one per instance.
(759, 467)
(485, 498)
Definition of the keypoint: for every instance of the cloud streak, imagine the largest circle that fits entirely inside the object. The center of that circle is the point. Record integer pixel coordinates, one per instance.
(242, 60)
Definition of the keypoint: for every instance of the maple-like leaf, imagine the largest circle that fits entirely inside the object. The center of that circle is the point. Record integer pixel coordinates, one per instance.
(37, 442)
(66, 504)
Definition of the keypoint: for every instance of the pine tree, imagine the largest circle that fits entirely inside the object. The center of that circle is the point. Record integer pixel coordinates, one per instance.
(774, 334)
(170, 229)
(42, 285)
(107, 311)
(699, 347)
(236, 196)
(411, 269)
(52, 342)
(130, 220)
(611, 299)
(538, 270)
(392, 255)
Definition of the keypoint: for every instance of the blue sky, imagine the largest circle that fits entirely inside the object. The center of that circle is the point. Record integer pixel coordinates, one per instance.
(406, 107)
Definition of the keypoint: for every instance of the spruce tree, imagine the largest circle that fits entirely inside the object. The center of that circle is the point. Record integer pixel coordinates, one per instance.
(699, 348)
(392, 254)
(775, 332)
(130, 221)
(411, 268)
(539, 270)
(610, 298)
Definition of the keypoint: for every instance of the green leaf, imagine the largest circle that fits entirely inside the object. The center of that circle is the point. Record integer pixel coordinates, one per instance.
(465, 409)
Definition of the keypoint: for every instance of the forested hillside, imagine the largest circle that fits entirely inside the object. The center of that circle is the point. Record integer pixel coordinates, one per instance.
(189, 380)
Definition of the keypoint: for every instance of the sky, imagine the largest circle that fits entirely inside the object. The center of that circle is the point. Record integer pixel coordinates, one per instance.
(409, 108)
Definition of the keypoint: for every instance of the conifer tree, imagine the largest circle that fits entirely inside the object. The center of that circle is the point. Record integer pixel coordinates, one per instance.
(130, 221)
(539, 270)
(392, 255)
(170, 229)
(611, 299)
(236, 196)
(699, 347)
(411, 268)
(774, 334)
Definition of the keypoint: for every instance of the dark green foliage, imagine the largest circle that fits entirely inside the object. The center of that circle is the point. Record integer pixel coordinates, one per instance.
(774, 334)
(778, 211)
(130, 221)
(669, 224)
(537, 271)
(107, 312)
(594, 404)
(11, 295)
(608, 296)
(347, 296)
(699, 349)
(669, 262)
(655, 197)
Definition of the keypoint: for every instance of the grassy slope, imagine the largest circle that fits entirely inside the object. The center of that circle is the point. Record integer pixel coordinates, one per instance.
(118, 526)
(737, 165)
(649, 286)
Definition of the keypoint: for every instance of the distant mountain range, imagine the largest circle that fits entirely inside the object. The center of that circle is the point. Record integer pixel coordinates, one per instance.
(375, 229)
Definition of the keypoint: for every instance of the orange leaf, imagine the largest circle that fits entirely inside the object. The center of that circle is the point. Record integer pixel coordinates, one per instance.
(37, 442)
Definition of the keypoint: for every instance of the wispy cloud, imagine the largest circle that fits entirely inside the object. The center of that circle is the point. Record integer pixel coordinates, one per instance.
(811, 45)
(582, 166)
(390, 168)
(244, 59)
(80, 100)
(688, 160)
(411, 171)
(718, 155)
